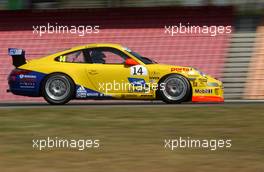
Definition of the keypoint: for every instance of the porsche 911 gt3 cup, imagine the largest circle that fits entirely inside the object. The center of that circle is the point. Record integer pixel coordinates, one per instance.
(108, 71)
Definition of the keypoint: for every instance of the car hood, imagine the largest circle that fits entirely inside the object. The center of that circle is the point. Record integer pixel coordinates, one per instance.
(187, 71)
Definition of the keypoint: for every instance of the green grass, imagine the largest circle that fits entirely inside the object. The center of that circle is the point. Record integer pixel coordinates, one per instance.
(132, 139)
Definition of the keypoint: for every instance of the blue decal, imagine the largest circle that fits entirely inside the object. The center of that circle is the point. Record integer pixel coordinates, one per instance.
(137, 81)
(27, 84)
(15, 51)
(82, 92)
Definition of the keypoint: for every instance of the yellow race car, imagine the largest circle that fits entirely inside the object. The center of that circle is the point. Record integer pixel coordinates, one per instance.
(108, 71)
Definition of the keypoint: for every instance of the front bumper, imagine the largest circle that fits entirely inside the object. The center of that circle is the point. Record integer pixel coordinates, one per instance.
(207, 89)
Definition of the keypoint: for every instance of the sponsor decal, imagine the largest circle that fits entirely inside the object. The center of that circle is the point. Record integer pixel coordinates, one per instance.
(129, 96)
(180, 69)
(29, 85)
(155, 73)
(27, 81)
(152, 81)
(21, 76)
(81, 92)
(93, 94)
(140, 90)
(204, 91)
(154, 77)
(137, 81)
(15, 51)
(146, 95)
(139, 85)
(26, 84)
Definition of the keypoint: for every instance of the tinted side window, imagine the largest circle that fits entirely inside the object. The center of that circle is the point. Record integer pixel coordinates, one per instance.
(107, 56)
(104, 55)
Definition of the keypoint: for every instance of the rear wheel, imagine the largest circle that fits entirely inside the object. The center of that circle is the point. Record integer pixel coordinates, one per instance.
(58, 89)
(174, 89)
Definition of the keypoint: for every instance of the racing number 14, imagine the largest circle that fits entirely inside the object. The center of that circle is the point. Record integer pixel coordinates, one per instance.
(137, 71)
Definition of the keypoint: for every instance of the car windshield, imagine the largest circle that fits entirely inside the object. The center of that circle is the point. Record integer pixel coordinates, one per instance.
(145, 60)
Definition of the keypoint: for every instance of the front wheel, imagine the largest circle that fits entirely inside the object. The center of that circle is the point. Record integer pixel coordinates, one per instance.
(58, 89)
(174, 89)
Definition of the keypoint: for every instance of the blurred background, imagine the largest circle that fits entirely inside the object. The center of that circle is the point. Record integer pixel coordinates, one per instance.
(237, 58)
(131, 136)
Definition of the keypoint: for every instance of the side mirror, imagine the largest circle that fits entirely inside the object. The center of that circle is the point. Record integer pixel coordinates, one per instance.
(131, 62)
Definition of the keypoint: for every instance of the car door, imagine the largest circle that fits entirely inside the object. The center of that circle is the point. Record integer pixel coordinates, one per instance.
(110, 75)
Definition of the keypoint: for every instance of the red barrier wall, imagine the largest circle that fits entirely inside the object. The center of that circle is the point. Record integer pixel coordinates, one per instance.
(141, 29)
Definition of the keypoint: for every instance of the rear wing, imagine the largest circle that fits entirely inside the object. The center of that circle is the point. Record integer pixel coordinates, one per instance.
(18, 56)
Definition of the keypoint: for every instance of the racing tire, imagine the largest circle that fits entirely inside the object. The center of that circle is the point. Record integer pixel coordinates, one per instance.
(58, 89)
(174, 89)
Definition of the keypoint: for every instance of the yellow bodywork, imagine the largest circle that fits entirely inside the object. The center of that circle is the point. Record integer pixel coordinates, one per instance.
(91, 75)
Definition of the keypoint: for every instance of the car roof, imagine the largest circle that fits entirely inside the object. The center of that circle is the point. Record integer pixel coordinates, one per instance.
(76, 48)
(97, 45)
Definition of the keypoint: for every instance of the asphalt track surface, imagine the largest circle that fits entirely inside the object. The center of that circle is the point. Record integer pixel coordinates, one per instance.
(109, 104)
